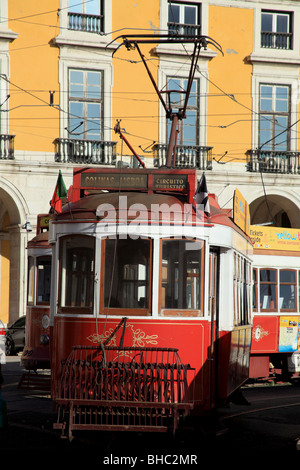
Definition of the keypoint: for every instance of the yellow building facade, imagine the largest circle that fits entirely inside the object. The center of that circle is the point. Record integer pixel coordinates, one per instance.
(67, 78)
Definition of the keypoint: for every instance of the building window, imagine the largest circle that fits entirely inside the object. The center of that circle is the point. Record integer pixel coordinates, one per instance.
(189, 126)
(85, 104)
(76, 274)
(276, 30)
(86, 16)
(127, 276)
(274, 117)
(182, 280)
(184, 18)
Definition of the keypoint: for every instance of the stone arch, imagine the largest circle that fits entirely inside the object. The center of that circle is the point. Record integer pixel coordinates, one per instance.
(275, 210)
(13, 210)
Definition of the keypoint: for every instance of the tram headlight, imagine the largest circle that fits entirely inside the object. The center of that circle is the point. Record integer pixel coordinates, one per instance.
(44, 339)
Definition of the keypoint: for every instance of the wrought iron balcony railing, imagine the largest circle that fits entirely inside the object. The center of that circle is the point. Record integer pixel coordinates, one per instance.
(7, 147)
(268, 161)
(187, 156)
(88, 23)
(184, 29)
(276, 40)
(96, 152)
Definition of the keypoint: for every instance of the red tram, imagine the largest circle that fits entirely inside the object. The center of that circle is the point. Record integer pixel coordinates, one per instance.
(151, 302)
(36, 353)
(275, 347)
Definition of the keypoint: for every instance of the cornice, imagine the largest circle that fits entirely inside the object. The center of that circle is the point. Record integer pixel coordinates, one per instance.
(274, 59)
(80, 42)
(8, 35)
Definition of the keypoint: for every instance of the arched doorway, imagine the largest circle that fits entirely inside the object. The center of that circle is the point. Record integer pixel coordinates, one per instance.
(275, 210)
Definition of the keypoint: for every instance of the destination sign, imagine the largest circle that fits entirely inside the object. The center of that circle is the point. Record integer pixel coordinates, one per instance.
(134, 180)
(165, 181)
(114, 180)
(44, 221)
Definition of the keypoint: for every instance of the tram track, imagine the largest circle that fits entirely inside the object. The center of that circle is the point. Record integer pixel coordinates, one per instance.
(269, 422)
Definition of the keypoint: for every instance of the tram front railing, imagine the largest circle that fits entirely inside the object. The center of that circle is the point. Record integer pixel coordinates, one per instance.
(113, 388)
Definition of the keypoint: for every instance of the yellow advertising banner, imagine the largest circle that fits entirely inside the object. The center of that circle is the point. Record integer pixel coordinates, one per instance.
(241, 212)
(275, 238)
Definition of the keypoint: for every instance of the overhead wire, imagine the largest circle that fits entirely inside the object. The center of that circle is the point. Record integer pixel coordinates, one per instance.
(223, 93)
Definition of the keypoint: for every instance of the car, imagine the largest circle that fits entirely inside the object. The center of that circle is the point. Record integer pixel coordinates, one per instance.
(15, 337)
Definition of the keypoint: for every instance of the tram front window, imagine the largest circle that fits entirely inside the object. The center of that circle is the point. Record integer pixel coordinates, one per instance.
(43, 280)
(39, 277)
(182, 280)
(127, 274)
(77, 274)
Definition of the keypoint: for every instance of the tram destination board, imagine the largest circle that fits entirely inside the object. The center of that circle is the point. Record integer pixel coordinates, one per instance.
(135, 180)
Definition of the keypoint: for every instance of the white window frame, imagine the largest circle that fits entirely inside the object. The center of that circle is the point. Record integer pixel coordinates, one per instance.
(275, 56)
(79, 38)
(98, 64)
(84, 100)
(182, 5)
(267, 76)
(274, 15)
(166, 70)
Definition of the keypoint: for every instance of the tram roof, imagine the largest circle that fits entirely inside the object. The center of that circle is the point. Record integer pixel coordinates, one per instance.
(40, 240)
(123, 192)
(94, 207)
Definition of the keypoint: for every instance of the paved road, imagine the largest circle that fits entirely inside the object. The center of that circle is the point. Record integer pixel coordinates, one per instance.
(269, 425)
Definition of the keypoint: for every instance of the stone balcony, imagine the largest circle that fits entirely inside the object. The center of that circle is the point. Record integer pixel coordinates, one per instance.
(268, 161)
(187, 156)
(7, 151)
(96, 152)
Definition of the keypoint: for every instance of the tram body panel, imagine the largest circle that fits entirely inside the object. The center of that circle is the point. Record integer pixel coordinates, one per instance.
(234, 365)
(36, 355)
(265, 334)
(190, 337)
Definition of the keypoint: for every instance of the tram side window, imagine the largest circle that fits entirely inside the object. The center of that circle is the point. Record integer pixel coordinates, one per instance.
(254, 290)
(182, 282)
(30, 281)
(77, 274)
(241, 290)
(127, 268)
(43, 280)
(287, 290)
(267, 289)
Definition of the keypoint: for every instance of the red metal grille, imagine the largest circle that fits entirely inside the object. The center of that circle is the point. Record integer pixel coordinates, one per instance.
(107, 388)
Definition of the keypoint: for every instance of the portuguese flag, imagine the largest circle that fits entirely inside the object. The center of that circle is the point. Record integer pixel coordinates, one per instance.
(59, 193)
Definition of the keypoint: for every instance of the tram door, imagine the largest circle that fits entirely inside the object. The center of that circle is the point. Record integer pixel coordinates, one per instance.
(213, 312)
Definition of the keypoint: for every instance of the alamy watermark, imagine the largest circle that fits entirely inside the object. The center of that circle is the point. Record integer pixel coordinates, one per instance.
(182, 219)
